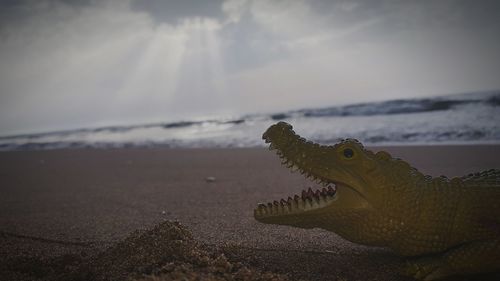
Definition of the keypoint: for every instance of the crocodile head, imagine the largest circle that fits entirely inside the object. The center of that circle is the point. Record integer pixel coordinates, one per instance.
(353, 187)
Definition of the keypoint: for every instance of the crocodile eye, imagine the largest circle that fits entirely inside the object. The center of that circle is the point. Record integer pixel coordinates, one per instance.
(348, 153)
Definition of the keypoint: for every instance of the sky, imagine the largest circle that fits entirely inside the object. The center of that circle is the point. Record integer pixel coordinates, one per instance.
(88, 63)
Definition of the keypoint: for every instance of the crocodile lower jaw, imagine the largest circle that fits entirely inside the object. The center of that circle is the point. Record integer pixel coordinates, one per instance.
(309, 200)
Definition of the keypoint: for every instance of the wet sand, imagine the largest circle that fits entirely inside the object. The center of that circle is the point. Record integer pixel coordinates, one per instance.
(62, 207)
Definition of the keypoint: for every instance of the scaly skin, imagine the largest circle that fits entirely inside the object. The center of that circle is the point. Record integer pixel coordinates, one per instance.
(450, 226)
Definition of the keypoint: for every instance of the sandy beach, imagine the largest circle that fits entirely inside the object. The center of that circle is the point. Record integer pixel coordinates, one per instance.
(81, 201)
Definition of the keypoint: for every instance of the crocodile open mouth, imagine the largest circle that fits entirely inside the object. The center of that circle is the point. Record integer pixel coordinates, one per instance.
(309, 199)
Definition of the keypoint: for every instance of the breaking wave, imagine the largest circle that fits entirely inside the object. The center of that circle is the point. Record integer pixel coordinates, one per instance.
(464, 118)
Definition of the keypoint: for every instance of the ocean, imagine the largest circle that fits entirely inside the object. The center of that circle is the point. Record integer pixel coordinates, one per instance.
(472, 118)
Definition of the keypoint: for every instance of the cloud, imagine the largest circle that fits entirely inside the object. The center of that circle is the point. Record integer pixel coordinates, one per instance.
(340, 52)
(175, 11)
(69, 64)
(234, 10)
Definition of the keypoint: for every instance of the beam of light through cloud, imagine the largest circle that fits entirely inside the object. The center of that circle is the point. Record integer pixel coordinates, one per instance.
(67, 64)
(101, 65)
(201, 75)
(154, 78)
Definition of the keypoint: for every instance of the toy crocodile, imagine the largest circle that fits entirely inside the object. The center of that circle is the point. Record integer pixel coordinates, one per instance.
(450, 226)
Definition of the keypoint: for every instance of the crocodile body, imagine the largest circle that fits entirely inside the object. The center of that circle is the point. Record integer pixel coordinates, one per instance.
(447, 226)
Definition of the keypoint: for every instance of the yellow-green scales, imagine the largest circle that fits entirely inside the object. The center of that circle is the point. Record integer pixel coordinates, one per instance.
(449, 226)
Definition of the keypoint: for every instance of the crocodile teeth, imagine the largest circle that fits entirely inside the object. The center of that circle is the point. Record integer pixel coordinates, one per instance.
(317, 193)
(309, 199)
(331, 191)
(310, 192)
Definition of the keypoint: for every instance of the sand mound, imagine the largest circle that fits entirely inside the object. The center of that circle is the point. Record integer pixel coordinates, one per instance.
(166, 252)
